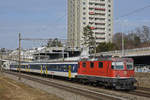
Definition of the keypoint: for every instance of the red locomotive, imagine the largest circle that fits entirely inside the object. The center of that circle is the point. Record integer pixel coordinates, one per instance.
(117, 73)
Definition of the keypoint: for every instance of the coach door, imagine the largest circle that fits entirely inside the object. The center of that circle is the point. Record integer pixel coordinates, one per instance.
(69, 71)
(44, 69)
(26, 68)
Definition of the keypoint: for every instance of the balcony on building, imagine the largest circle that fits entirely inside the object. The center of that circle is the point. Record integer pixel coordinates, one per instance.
(102, 33)
(101, 9)
(101, 38)
(102, 14)
(99, 28)
(99, 4)
(99, 23)
(92, 28)
(91, 13)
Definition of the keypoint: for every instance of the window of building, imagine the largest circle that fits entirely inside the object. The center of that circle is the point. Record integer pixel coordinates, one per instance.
(84, 23)
(84, 13)
(100, 64)
(84, 8)
(99, 18)
(91, 23)
(109, 24)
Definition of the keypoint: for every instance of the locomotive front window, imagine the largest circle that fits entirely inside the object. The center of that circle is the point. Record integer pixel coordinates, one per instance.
(117, 65)
(130, 66)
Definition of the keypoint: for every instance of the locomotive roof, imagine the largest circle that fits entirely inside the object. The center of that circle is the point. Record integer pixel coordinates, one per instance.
(108, 59)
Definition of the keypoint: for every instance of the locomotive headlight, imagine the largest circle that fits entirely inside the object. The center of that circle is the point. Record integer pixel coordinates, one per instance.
(131, 75)
(118, 76)
(125, 72)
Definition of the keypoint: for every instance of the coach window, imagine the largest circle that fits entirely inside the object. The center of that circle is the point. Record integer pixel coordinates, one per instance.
(100, 65)
(64, 68)
(84, 64)
(91, 64)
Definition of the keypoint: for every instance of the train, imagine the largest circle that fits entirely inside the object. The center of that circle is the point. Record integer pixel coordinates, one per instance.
(114, 72)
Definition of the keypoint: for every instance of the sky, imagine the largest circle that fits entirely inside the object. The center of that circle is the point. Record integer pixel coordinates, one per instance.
(48, 19)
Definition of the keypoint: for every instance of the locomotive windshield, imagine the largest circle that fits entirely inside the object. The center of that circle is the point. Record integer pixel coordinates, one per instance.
(117, 65)
(129, 66)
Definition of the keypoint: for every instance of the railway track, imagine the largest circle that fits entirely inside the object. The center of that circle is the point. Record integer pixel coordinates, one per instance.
(92, 93)
(141, 91)
(81, 91)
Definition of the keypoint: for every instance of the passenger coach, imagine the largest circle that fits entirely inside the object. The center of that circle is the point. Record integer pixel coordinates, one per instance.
(64, 69)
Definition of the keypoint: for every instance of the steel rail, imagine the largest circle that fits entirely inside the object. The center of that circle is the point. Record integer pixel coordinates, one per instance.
(139, 93)
(81, 91)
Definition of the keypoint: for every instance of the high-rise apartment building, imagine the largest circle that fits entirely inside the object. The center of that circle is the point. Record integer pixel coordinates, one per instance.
(96, 13)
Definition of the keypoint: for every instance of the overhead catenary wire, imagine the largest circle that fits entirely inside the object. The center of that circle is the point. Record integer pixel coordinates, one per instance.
(129, 14)
(56, 22)
(133, 12)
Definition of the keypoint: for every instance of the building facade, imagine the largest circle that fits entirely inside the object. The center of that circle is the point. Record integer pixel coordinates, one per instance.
(98, 14)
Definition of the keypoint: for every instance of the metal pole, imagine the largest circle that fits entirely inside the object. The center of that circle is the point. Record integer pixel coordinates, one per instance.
(63, 53)
(122, 44)
(95, 46)
(122, 39)
(19, 78)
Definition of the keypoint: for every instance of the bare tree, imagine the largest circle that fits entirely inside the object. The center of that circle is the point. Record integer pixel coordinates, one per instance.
(88, 38)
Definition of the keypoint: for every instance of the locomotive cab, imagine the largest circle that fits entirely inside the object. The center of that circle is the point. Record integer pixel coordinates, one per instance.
(116, 73)
(122, 69)
(123, 74)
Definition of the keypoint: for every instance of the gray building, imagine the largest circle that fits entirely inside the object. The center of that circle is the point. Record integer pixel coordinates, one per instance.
(96, 13)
